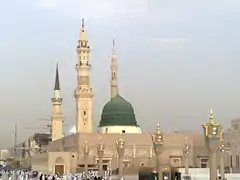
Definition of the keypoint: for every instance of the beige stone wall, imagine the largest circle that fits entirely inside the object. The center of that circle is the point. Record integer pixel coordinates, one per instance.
(39, 162)
(59, 158)
(139, 150)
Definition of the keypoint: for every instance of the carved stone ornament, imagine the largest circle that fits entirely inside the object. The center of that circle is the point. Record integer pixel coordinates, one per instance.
(175, 161)
(108, 153)
(92, 153)
(128, 152)
(142, 153)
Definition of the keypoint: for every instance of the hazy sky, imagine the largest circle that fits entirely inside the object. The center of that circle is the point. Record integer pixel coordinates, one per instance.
(176, 59)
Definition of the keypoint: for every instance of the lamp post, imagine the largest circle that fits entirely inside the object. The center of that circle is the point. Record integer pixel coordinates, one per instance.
(100, 151)
(86, 153)
(120, 150)
(157, 140)
(212, 133)
(186, 149)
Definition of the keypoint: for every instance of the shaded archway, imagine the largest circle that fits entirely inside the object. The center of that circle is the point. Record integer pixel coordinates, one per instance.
(59, 166)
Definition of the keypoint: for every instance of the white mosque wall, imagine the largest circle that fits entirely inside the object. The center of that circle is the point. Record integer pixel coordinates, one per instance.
(112, 129)
(206, 176)
(196, 176)
(120, 129)
(203, 174)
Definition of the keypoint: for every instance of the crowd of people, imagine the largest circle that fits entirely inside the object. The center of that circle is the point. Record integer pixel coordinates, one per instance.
(34, 175)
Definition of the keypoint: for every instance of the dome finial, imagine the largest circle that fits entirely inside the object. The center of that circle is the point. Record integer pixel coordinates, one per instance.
(186, 140)
(158, 128)
(211, 119)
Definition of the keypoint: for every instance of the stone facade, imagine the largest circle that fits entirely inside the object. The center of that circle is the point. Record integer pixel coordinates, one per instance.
(138, 151)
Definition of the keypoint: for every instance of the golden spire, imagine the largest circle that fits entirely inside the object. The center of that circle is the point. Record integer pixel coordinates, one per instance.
(83, 36)
(120, 142)
(86, 148)
(158, 131)
(211, 119)
(121, 138)
(212, 129)
(221, 136)
(100, 144)
(186, 141)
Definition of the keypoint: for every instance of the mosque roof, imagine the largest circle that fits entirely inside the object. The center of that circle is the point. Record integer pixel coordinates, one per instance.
(118, 112)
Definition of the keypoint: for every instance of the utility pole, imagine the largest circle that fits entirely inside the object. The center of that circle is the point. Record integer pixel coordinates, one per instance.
(15, 139)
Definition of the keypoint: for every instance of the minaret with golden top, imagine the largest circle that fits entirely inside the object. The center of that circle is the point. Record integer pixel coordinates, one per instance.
(212, 129)
(57, 116)
(113, 68)
(158, 144)
(213, 136)
(83, 93)
(158, 136)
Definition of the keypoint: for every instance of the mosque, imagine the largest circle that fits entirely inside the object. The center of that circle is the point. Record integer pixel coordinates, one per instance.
(66, 153)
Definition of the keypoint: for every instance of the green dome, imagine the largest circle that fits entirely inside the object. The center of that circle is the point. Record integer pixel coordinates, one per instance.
(118, 112)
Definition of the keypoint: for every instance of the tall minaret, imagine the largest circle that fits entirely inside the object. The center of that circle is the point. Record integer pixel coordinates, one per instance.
(57, 116)
(113, 68)
(83, 93)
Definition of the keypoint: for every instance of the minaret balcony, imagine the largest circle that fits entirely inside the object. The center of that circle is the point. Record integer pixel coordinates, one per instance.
(57, 100)
(83, 48)
(82, 92)
(57, 116)
(83, 66)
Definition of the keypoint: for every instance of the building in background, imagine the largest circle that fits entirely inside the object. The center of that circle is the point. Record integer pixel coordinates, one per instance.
(4, 154)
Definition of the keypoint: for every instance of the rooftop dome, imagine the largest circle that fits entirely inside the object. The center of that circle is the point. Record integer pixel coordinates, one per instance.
(118, 112)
